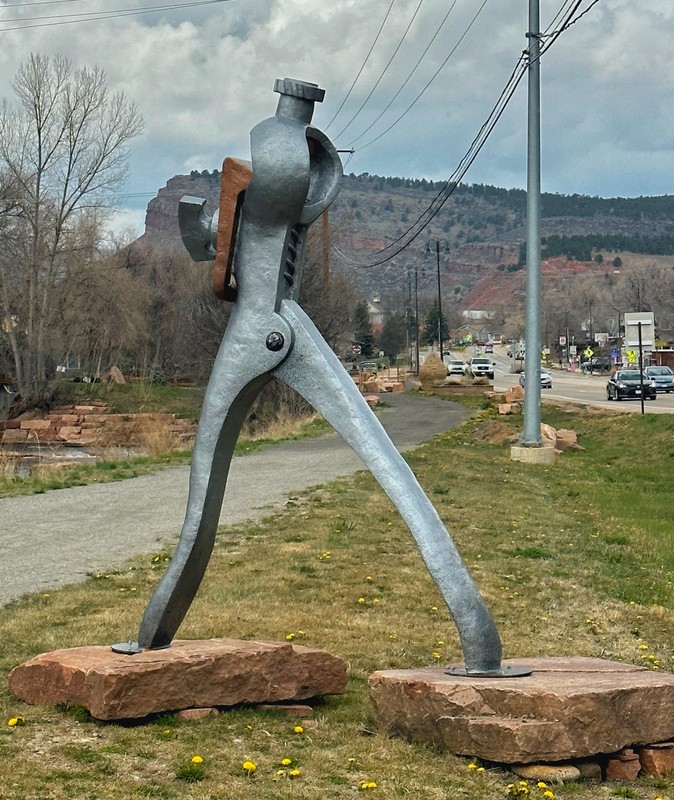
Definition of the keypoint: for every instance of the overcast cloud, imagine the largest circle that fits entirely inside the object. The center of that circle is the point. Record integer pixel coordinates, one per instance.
(203, 75)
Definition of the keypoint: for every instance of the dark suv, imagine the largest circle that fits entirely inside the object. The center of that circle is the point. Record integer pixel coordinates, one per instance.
(596, 364)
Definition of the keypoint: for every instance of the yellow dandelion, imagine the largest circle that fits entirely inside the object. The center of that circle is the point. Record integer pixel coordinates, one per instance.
(286, 762)
(290, 637)
(361, 601)
(364, 785)
(376, 600)
(369, 578)
(280, 772)
(298, 729)
(294, 773)
(480, 770)
(643, 646)
(549, 794)
(542, 785)
(14, 721)
(437, 656)
(249, 767)
(472, 766)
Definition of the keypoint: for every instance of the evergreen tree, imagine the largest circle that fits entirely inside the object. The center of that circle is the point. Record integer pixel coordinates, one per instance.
(362, 330)
(393, 336)
(430, 334)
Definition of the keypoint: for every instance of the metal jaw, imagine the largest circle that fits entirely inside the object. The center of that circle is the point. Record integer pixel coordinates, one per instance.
(295, 176)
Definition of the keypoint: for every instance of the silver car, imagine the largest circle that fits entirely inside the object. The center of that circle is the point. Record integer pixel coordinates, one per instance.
(546, 379)
(663, 377)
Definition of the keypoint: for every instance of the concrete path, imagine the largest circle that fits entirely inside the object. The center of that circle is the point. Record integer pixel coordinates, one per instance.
(56, 538)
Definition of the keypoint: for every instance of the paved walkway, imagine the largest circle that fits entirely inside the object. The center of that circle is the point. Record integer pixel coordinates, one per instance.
(59, 537)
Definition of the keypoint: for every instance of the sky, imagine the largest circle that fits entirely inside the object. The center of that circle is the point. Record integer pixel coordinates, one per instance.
(202, 74)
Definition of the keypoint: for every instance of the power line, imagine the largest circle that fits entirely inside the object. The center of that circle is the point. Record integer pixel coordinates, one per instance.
(362, 66)
(408, 78)
(476, 146)
(385, 70)
(428, 83)
(89, 16)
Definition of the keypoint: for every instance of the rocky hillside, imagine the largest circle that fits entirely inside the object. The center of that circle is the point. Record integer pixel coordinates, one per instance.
(483, 227)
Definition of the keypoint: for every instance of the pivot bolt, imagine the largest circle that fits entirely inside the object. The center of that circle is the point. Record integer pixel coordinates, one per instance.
(275, 341)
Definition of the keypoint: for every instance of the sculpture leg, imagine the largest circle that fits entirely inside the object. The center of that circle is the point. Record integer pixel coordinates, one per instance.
(313, 370)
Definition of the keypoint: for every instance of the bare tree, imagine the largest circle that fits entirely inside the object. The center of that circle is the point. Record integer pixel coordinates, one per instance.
(63, 149)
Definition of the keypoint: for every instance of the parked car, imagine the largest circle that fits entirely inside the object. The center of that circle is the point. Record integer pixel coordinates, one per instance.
(596, 364)
(456, 366)
(663, 377)
(482, 367)
(627, 383)
(368, 366)
(546, 379)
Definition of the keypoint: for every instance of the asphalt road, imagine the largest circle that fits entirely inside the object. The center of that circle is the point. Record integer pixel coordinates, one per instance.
(59, 537)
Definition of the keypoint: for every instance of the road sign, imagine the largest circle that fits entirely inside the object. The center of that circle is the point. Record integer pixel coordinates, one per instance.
(356, 349)
(562, 340)
(645, 320)
(588, 352)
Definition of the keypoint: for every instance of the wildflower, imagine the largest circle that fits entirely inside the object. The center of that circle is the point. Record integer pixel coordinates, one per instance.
(364, 785)
(376, 600)
(249, 767)
(643, 646)
(437, 656)
(548, 794)
(542, 785)
(294, 773)
(197, 759)
(434, 608)
(290, 637)
(286, 762)
(361, 601)
(280, 772)
(14, 721)
(479, 770)
(369, 578)
(298, 729)
(439, 643)
(472, 766)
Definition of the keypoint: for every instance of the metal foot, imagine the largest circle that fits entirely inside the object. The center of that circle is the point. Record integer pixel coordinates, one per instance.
(503, 672)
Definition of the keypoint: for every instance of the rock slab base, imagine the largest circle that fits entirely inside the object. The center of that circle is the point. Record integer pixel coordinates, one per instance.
(567, 708)
(188, 674)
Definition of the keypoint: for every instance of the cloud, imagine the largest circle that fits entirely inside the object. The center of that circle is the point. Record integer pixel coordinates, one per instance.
(203, 76)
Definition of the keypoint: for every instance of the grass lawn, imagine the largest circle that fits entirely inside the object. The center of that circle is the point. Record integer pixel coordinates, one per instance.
(573, 559)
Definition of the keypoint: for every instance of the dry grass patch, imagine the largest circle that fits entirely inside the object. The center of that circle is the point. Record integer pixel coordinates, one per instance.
(562, 573)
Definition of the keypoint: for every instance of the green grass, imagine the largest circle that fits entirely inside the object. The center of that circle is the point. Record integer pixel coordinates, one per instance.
(573, 559)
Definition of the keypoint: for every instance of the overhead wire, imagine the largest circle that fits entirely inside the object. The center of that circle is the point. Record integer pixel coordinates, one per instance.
(426, 217)
(89, 16)
(429, 82)
(362, 66)
(408, 78)
(384, 71)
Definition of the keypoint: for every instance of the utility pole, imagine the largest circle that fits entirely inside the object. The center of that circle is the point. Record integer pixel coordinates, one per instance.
(435, 244)
(531, 434)
(416, 320)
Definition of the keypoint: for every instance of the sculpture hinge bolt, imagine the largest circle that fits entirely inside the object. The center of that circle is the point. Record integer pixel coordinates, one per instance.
(275, 341)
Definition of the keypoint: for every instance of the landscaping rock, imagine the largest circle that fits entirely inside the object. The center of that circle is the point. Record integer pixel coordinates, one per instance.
(657, 760)
(550, 773)
(186, 675)
(589, 770)
(567, 440)
(192, 714)
(624, 766)
(568, 708)
(514, 394)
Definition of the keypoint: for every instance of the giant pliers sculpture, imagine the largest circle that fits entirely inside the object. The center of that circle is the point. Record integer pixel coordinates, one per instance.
(295, 176)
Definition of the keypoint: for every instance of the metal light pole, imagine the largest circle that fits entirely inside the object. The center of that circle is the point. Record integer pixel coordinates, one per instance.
(531, 434)
(435, 244)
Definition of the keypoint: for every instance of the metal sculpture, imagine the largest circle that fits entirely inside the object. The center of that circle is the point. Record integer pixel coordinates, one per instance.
(296, 173)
